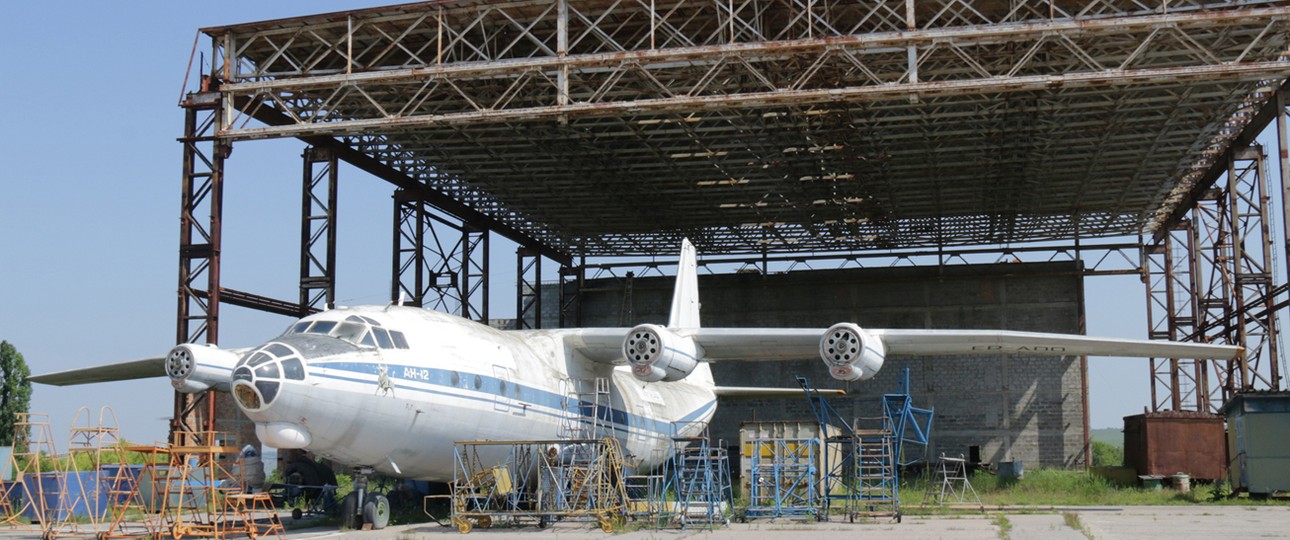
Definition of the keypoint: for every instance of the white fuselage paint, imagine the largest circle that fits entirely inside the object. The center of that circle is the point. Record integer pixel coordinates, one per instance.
(400, 411)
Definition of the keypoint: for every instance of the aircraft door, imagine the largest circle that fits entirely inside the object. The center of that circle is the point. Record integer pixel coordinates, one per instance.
(506, 392)
(640, 433)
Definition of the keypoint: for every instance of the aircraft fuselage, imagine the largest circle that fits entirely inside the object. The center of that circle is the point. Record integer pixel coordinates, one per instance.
(399, 410)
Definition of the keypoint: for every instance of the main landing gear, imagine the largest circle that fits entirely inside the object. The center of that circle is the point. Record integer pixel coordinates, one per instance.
(363, 510)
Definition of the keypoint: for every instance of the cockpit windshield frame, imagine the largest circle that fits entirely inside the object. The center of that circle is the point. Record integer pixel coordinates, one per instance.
(354, 329)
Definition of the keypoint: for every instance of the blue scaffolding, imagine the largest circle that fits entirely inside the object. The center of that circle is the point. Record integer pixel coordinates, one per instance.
(862, 459)
(784, 476)
(697, 477)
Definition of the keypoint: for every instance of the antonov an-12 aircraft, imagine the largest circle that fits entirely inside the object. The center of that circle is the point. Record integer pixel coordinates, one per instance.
(391, 388)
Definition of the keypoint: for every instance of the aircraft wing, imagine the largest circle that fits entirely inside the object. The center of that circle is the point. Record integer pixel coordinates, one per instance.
(800, 344)
(121, 371)
(781, 344)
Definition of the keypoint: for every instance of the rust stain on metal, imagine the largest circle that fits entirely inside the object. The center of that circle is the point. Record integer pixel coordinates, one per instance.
(1166, 443)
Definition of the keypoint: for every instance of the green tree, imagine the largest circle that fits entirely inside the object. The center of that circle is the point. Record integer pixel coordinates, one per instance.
(15, 390)
(1107, 455)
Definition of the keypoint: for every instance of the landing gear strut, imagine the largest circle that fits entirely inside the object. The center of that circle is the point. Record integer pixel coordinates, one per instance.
(361, 509)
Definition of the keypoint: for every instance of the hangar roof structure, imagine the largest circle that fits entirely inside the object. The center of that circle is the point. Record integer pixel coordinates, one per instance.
(613, 127)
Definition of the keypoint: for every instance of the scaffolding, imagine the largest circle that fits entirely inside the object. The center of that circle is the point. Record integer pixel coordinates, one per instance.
(34, 482)
(538, 482)
(85, 502)
(949, 482)
(783, 479)
(586, 408)
(203, 499)
(697, 477)
(135, 510)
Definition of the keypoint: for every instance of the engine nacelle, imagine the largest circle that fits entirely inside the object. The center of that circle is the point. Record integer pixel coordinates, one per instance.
(195, 368)
(851, 353)
(656, 354)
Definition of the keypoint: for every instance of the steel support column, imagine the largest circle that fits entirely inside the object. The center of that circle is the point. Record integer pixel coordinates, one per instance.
(528, 294)
(572, 279)
(201, 209)
(1211, 280)
(433, 268)
(318, 230)
(1177, 384)
(1252, 292)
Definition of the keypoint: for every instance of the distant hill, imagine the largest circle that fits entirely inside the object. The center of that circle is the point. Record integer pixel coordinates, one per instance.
(1111, 436)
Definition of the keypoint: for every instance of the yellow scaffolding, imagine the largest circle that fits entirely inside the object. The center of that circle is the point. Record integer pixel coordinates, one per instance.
(136, 514)
(515, 482)
(32, 441)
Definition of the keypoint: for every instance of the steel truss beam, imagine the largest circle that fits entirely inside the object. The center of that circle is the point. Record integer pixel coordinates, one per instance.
(1211, 280)
(778, 124)
(446, 271)
(1100, 259)
(318, 229)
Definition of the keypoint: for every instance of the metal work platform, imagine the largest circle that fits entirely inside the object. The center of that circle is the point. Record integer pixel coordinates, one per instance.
(591, 127)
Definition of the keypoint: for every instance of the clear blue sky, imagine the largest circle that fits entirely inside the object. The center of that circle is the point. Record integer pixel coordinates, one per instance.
(89, 203)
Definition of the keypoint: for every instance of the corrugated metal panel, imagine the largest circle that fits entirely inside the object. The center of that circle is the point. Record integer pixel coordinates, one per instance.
(1257, 426)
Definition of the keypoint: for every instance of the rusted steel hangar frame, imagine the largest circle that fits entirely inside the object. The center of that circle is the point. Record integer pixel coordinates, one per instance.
(761, 129)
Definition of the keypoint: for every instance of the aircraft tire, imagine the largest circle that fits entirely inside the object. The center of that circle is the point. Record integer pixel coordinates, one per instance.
(349, 512)
(376, 511)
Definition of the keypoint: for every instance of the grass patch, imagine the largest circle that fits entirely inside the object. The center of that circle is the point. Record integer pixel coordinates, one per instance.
(1005, 526)
(1072, 520)
(1062, 487)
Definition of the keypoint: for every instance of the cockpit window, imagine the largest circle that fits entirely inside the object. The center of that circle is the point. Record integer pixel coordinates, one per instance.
(300, 327)
(349, 331)
(257, 359)
(293, 369)
(267, 370)
(383, 338)
(322, 327)
(399, 340)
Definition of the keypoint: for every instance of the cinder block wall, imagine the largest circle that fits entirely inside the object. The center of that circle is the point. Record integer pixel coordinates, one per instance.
(1022, 408)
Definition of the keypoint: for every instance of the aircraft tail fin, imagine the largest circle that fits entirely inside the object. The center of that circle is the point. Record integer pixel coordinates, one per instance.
(685, 297)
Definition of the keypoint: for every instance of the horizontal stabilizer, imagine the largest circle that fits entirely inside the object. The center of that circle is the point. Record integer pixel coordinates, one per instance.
(755, 392)
(121, 371)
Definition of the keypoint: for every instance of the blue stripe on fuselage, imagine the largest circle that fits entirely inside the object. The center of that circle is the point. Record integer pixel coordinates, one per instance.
(490, 388)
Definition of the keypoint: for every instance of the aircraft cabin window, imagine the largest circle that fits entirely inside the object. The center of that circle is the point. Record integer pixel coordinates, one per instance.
(456, 379)
(383, 338)
(322, 327)
(293, 369)
(267, 370)
(479, 383)
(501, 387)
(300, 327)
(399, 341)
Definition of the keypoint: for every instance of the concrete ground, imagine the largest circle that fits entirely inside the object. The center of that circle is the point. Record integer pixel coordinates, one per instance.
(1134, 522)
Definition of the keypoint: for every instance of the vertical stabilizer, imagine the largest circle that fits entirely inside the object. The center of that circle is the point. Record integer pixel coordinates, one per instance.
(685, 298)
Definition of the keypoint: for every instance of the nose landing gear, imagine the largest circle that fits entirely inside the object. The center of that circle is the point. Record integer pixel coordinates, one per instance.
(363, 510)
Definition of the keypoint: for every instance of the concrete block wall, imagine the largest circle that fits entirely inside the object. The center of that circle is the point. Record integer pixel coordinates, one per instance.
(1014, 408)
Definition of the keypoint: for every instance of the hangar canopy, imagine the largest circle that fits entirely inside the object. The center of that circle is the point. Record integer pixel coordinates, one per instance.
(600, 127)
